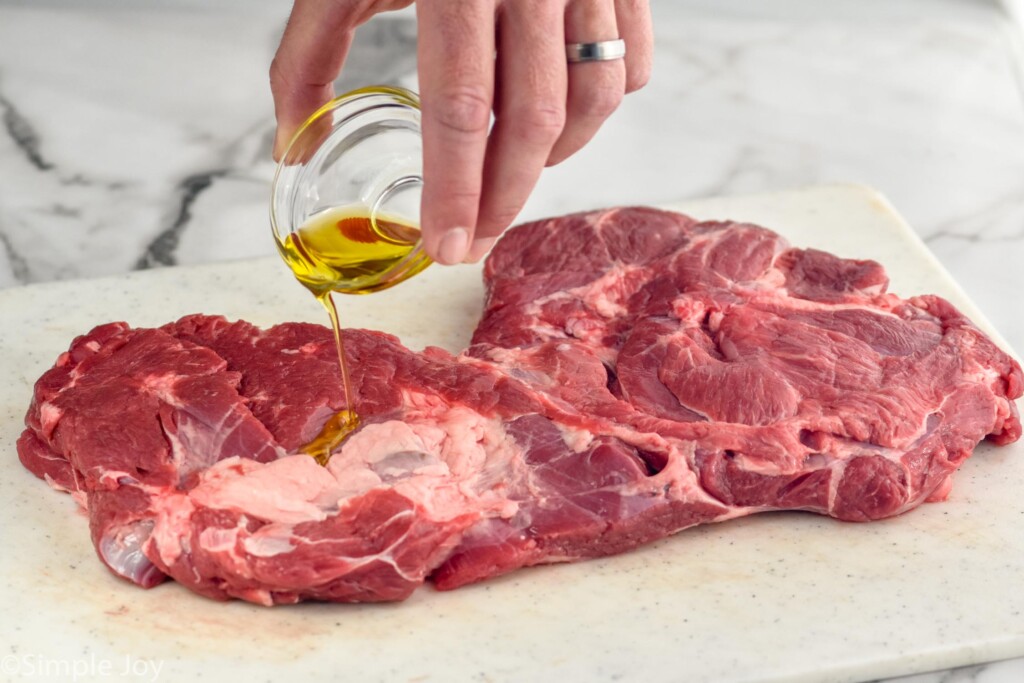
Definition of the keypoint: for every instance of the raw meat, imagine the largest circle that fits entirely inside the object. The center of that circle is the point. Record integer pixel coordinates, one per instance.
(635, 373)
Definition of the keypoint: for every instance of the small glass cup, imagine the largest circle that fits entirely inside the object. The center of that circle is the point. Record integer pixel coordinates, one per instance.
(363, 152)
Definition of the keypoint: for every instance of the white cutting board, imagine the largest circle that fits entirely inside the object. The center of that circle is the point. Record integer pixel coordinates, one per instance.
(784, 596)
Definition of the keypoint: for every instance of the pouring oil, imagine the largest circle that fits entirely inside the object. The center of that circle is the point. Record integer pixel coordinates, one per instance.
(348, 250)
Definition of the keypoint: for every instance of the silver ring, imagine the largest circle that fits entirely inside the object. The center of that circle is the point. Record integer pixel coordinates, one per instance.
(595, 52)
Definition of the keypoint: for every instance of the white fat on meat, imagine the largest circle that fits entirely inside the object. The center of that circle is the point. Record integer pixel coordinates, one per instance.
(269, 541)
(49, 416)
(607, 295)
(291, 490)
(172, 525)
(576, 438)
(449, 466)
(447, 460)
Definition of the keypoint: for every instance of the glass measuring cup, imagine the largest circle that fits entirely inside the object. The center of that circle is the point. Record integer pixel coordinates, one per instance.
(356, 163)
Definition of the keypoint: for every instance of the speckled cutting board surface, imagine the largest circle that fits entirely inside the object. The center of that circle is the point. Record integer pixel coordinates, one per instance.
(782, 596)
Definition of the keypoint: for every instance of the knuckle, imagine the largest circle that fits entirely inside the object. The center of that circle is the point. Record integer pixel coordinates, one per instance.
(633, 6)
(466, 109)
(448, 202)
(638, 77)
(499, 218)
(600, 101)
(540, 124)
(459, 195)
(278, 79)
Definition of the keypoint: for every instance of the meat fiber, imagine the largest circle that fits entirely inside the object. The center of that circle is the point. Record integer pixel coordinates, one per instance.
(635, 373)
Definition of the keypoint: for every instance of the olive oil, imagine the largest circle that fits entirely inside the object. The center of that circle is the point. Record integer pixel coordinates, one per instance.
(347, 250)
(345, 421)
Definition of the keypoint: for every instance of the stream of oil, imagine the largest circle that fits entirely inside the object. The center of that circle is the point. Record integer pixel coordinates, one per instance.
(346, 250)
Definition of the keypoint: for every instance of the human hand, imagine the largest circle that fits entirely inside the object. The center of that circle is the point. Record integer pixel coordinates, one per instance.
(475, 57)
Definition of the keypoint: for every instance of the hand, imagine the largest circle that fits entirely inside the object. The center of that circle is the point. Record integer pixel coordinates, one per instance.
(475, 57)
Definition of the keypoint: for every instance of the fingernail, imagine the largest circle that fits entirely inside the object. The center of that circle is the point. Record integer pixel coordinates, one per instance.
(480, 248)
(453, 246)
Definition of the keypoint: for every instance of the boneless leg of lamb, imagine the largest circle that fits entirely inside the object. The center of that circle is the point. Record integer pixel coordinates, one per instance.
(635, 373)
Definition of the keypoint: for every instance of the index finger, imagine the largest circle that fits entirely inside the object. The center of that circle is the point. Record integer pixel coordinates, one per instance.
(309, 58)
(456, 71)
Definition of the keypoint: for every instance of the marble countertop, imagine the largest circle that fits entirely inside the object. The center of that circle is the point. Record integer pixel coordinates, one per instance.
(139, 138)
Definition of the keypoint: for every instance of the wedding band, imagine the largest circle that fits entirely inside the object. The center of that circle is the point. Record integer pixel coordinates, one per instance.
(595, 52)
